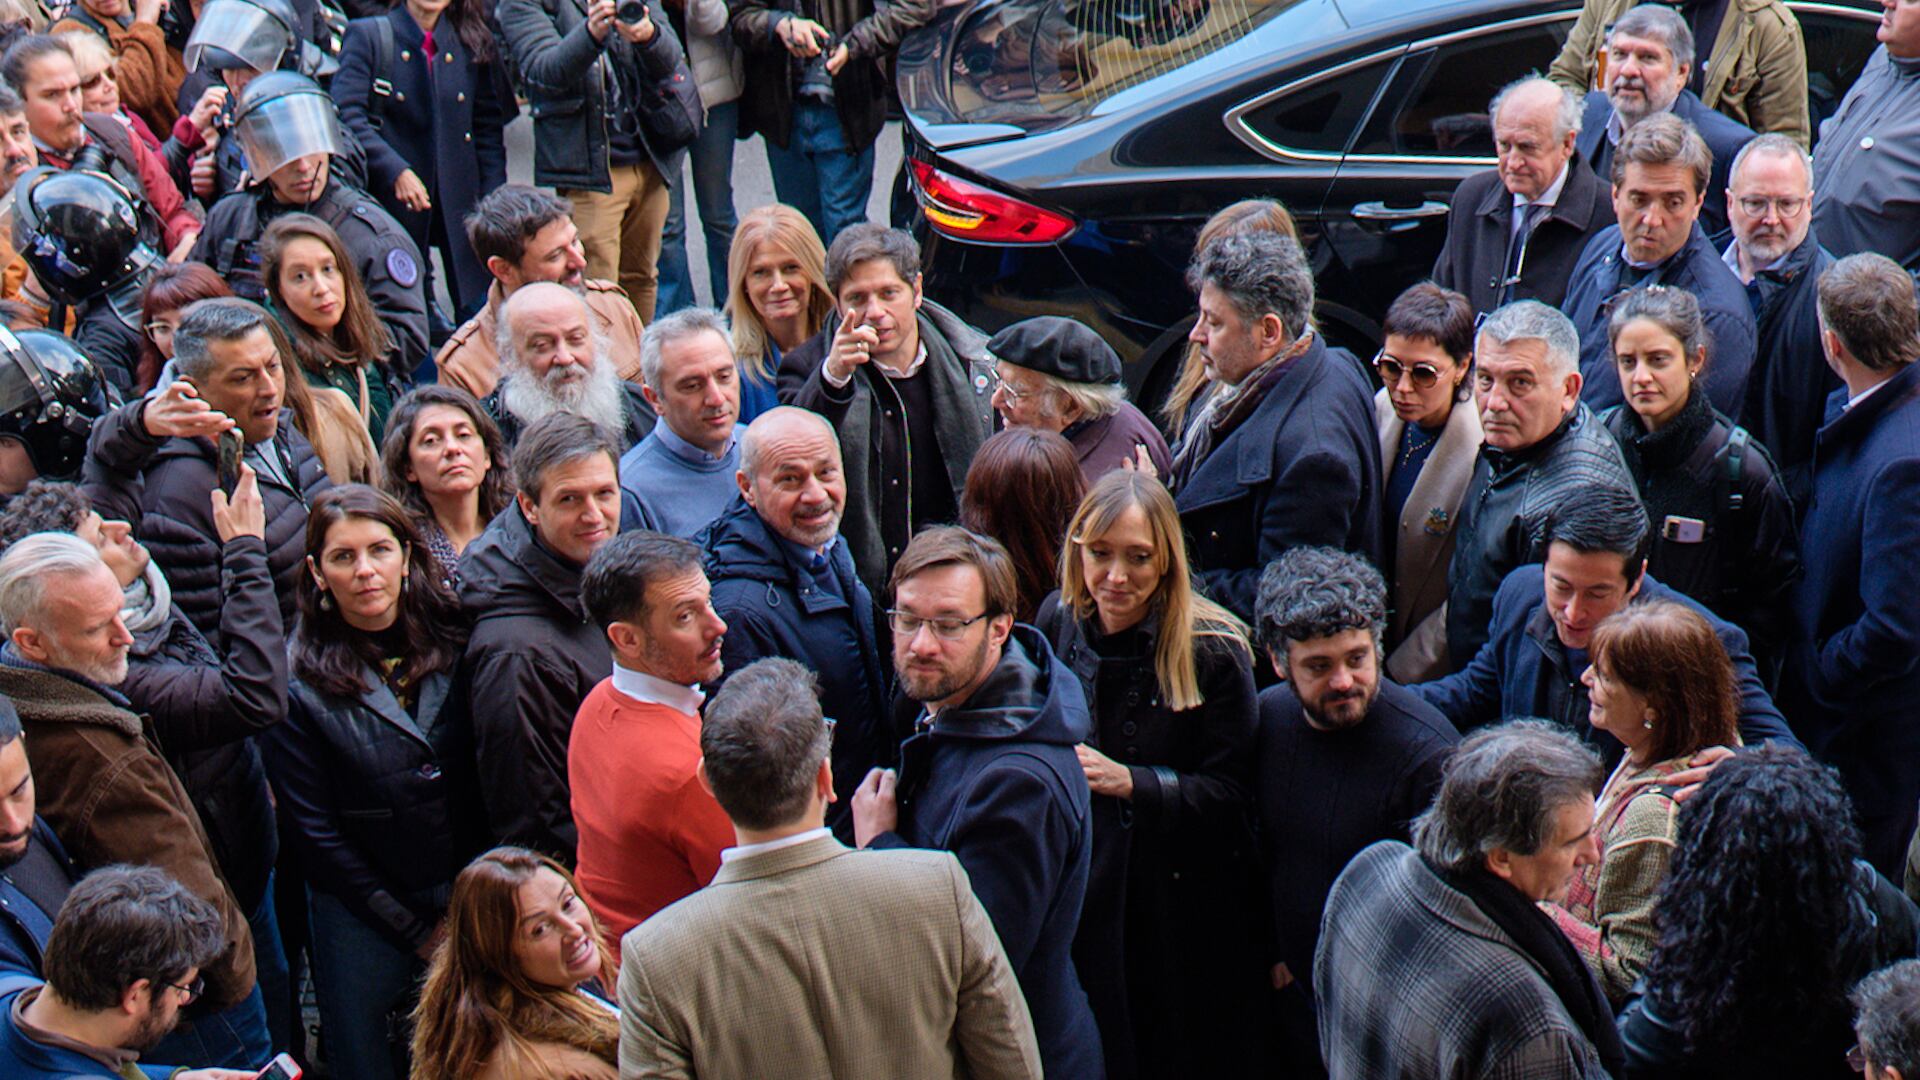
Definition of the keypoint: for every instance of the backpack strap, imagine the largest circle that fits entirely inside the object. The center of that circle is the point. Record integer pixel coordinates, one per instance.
(382, 67)
(1730, 476)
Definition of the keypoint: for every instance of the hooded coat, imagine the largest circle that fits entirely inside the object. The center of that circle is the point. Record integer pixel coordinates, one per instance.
(995, 780)
(773, 607)
(533, 658)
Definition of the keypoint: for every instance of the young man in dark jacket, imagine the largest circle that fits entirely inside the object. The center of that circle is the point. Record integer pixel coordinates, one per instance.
(908, 386)
(35, 870)
(153, 462)
(785, 584)
(1544, 616)
(990, 772)
(1850, 681)
(534, 655)
(613, 108)
(816, 88)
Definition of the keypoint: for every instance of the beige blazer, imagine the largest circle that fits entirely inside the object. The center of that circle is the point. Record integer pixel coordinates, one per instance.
(817, 961)
(1423, 540)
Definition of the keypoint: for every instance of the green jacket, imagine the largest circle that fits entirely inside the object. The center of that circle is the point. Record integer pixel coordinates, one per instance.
(1756, 75)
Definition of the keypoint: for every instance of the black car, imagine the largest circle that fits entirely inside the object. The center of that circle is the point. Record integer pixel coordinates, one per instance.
(1064, 153)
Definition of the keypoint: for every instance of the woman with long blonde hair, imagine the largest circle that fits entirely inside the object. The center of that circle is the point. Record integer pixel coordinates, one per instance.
(520, 987)
(777, 297)
(1170, 903)
(1238, 219)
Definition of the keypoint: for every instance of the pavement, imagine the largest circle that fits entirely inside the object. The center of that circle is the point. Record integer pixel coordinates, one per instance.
(752, 185)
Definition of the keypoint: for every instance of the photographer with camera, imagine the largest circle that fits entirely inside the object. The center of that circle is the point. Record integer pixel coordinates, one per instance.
(614, 108)
(816, 89)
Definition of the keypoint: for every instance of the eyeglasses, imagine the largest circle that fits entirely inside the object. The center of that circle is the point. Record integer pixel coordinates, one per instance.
(831, 724)
(158, 330)
(193, 990)
(1425, 375)
(1857, 1059)
(1001, 384)
(1756, 205)
(907, 625)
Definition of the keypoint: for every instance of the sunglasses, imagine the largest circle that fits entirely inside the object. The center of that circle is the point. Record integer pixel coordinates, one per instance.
(1425, 376)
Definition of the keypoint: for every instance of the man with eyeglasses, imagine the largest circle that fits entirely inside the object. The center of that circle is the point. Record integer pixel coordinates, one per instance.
(1517, 229)
(989, 771)
(1661, 172)
(1776, 256)
(123, 964)
(1058, 375)
(649, 832)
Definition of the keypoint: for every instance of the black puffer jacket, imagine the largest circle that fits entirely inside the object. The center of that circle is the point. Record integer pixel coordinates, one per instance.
(531, 660)
(382, 802)
(1505, 512)
(1747, 562)
(164, 489)
(206, 706)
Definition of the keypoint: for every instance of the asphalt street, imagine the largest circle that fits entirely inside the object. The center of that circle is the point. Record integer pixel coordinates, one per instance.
(752, 184)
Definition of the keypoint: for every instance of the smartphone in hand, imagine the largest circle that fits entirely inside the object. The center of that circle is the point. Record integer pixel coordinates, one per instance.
(281, 1067)
(230, 448)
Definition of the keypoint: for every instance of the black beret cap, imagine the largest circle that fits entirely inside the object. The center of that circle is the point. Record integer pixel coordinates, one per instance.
(1062, 348)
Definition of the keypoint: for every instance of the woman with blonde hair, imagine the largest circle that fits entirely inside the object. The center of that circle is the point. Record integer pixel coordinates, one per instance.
(519, 989)
(336, 331)
(1171, 899)
(777, 297)
(1238, 219)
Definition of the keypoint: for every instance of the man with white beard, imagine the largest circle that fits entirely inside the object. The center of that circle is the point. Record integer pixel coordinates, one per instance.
(552, 360)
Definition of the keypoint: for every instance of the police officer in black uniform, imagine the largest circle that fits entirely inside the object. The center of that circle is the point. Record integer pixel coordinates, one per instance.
(235, 40)
(50, 395)
(288, 130)
(81, 234)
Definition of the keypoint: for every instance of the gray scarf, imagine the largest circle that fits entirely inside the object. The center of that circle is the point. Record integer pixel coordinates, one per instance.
(148, 601)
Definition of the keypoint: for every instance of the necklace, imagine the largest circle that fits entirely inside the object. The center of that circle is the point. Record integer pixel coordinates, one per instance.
(1415, 444)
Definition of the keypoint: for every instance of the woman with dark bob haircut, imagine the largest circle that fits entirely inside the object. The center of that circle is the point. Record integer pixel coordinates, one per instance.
(1768, 918)
(373, 766)
(1022, 487)
(519, 987)
(445, 461)
(1662, 684)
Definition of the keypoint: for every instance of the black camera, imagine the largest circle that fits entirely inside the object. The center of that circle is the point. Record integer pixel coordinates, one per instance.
(631, 12)
(92, 157)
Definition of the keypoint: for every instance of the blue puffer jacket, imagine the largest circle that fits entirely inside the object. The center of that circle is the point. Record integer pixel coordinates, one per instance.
(996, 781)
(1524, 670)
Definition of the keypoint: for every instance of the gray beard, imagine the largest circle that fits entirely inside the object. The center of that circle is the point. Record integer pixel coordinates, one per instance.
(596, 398)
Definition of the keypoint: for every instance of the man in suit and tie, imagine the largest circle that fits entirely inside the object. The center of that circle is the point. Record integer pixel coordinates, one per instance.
(1517, 229)
(805, 958)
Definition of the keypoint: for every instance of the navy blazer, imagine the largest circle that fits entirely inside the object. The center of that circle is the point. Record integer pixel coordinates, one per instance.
(1524, 670)
(448, 126)
(1697, 268)
(1304, 468)
(1724, 137)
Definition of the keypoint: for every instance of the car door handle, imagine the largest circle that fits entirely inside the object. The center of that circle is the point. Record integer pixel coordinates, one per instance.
(1379, 211)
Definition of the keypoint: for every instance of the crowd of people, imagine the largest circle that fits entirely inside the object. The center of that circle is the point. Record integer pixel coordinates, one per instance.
(575, 681)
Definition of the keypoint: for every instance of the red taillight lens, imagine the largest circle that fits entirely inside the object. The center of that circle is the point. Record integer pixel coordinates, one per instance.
(970, 212)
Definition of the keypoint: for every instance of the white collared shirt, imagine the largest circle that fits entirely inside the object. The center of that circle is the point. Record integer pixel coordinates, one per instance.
(1732, 258)
(1863, 395)
(643, 687)
(919, 358)
(727, 855)
(1548, 198)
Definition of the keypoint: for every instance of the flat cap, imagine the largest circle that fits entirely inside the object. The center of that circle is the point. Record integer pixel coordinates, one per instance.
(1063, 348)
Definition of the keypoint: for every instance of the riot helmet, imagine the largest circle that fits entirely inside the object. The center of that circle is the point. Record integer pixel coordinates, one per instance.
(50, 395)
(80, 233)
(257, 34)
(284, 116)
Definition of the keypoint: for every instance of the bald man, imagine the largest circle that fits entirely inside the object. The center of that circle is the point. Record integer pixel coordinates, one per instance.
(1518, 228)
(553, 360)
(783, 580)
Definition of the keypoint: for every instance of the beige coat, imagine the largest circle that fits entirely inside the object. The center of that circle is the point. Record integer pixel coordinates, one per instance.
(818, 961)
(1756, 75)
(1423, 540)
(470, 361)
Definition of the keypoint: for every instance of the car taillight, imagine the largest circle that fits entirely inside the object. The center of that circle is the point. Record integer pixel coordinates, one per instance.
(971, 212)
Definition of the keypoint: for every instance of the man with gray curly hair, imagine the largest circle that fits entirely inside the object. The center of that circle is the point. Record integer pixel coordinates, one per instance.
(1346, 757)
(1284, 452)
(1436, 959)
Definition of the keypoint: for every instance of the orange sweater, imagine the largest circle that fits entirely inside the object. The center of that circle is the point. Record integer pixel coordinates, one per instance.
(649, 833)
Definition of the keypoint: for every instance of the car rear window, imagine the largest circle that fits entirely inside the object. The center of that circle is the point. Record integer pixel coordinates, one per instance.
(1041, 63)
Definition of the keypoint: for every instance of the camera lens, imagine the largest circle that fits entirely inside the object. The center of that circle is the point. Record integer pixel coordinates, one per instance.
(631, 11)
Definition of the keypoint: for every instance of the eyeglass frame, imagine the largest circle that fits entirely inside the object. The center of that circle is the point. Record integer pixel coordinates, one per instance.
(1857, 1058)
(193, 989)
(1000, 383)
(956, 628)
(1383, 357)
(1801, 202)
